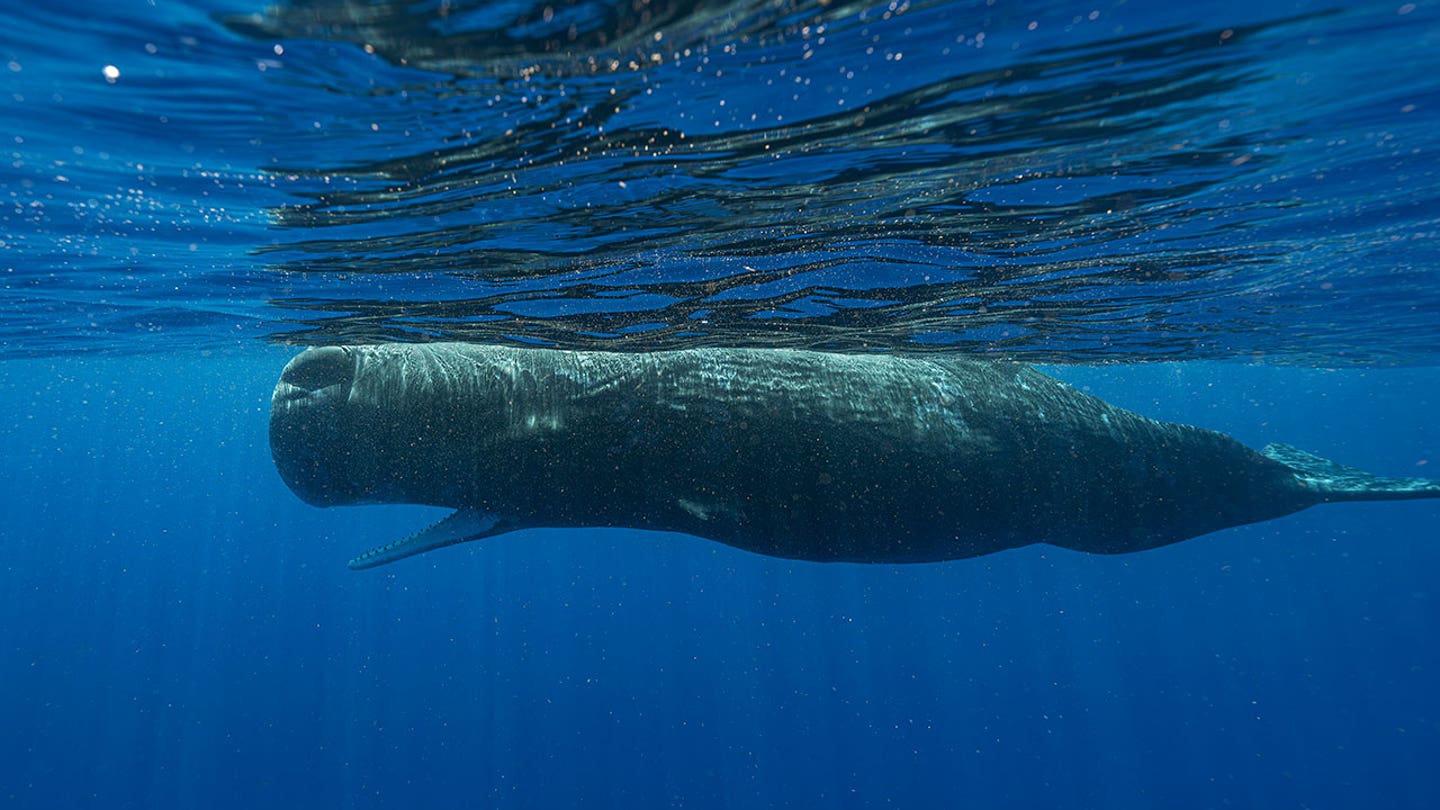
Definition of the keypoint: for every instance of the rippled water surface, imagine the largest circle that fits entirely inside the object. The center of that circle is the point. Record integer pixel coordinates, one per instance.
(1054, 181)
(186, 183)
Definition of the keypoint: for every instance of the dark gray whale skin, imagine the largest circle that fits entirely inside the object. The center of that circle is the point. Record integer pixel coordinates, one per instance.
(797, 454)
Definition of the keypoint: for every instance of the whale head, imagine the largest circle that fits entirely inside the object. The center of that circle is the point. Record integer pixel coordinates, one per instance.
(314, 430)
(376, 424)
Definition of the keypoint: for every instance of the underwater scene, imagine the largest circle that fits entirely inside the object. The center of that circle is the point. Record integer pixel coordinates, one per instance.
(719, 403)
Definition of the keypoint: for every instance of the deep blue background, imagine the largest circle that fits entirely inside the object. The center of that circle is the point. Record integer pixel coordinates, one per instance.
(177, 630)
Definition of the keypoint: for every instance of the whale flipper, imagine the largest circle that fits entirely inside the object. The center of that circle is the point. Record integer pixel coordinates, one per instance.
(460, 526)
(1337, 482)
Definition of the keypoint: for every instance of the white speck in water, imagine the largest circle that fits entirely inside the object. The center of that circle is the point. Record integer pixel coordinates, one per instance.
(111, 73)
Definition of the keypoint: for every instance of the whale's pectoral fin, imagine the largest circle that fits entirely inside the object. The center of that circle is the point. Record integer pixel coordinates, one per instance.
(1337, 482)
(461, 526)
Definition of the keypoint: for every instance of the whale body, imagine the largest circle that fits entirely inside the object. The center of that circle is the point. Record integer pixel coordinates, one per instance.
(796, 454)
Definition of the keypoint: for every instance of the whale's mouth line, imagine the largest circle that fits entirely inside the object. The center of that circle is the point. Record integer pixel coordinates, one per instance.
(287, 394)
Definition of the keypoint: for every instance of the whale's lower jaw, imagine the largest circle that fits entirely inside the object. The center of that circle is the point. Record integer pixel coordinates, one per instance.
(461, 526)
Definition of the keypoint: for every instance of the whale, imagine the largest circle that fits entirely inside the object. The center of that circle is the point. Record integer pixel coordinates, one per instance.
(808, 455)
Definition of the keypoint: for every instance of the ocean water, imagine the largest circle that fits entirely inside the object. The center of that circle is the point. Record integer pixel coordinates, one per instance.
(1218, 213)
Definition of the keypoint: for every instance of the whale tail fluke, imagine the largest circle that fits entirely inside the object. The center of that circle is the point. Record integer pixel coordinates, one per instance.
(1337, 482)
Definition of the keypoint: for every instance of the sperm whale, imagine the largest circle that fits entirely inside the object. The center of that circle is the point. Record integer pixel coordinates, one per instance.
(797, 454)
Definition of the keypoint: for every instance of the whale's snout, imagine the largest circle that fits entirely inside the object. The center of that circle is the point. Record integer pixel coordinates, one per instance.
(314, 376)
(309, 425)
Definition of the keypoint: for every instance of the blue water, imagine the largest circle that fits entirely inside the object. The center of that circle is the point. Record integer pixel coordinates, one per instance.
(1248, 192)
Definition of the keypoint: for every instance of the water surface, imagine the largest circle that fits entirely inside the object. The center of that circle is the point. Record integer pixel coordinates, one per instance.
(191, 190)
